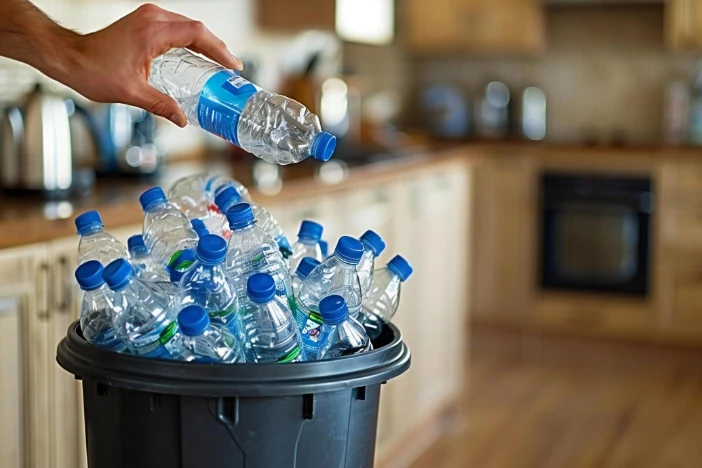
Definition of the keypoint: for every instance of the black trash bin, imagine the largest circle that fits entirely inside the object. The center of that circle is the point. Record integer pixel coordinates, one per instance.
(151, 413)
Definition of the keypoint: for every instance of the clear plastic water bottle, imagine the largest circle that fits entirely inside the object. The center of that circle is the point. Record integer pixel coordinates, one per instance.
(207, 284)
(381, 302)
(185, 262)
(373, 245)
(229, 197)
(251, 250)
(304, 269)
(267, 330)
(324, 248)
(203, 341)
(199, 227)
(336, 275)
(95, 243)
(307, 244)
(340, 335)
(142, 262)
(145, 319)
(96, 313)
(167, 232)
(272, 127)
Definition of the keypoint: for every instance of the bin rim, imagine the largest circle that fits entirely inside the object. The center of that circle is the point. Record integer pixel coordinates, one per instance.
(90, 362)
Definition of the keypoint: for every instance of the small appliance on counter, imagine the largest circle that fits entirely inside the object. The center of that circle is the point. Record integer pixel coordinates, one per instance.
(446, 111)
(492, 119)
(36, 149)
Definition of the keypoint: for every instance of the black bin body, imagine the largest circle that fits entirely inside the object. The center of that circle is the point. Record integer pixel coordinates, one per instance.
(151, 413)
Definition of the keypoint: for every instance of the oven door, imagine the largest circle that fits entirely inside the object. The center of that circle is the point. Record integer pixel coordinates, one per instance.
(596, 239)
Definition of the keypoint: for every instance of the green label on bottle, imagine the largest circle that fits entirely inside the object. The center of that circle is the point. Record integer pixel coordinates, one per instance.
(294, 355)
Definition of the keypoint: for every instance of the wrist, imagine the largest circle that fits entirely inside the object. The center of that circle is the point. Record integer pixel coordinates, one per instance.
(60, 54)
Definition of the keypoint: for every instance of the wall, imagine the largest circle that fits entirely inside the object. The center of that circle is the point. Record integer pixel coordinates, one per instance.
(604, 72)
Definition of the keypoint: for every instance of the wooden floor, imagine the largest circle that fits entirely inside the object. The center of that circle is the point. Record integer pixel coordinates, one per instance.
(571, 403)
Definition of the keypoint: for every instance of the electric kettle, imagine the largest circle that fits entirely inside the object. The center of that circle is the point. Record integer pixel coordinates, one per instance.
(35, 143)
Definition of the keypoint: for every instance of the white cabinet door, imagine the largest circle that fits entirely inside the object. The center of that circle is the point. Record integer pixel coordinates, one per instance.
(27, 354)
(372, 208)
(67, 440)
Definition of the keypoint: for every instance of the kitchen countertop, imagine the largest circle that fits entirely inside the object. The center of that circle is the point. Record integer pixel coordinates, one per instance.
(27, 218)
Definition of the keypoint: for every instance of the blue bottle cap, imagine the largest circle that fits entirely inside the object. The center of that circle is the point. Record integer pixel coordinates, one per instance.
(373, 242)
(199, 227)
(211, 249)
(88, 221)
(400, 267)
(306, 266)
(151, 197)
(89, 275)
(310, 230)
(193, 320)
(117, 274)
(227, 198)
(324, 247)
(333, 310)
(323, 146)
(349, 250)
(260, 288)
(240, 216)
(136, 243)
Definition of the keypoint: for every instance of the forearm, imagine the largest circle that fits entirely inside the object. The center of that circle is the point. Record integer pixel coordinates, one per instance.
(29, 36)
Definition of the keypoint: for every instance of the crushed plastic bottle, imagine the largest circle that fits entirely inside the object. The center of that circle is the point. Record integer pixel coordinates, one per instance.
(142, 262)
(95, 243)
(336, 275)
(307, 244)
(270, 126)
(251, 250)
(229, 197)
(373, 245)
(167, 232)
(267, 330)
(207, 284)
(145, 319)
(340, 335)
(381, 302)
(203, 341)
(96, 313)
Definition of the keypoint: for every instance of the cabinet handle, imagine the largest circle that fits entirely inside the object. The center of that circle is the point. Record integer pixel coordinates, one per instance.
(64, 302)
(43, 302)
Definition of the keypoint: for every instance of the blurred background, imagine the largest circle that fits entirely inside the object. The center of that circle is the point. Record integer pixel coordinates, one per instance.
(535, 160)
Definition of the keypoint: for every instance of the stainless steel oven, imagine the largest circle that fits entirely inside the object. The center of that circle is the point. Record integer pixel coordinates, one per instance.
(596, 233)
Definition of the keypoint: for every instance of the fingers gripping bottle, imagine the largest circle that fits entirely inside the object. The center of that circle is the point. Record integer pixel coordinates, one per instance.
(272, 127)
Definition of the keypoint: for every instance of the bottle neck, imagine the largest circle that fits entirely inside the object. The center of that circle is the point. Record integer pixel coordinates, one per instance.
(95, 229)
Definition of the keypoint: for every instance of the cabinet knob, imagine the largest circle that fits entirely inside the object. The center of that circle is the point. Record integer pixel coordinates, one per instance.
(44, 302)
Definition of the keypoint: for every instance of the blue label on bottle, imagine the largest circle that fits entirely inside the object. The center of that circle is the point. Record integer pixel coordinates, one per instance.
(222, 100)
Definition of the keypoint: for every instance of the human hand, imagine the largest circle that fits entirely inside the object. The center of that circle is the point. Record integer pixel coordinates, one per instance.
(112, 65)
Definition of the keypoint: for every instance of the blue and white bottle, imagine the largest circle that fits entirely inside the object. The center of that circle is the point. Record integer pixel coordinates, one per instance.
(204, 341)
(340, 335)
(96, 313)
(141, 260)
(95, 243)
(307, 244)
(373, 245)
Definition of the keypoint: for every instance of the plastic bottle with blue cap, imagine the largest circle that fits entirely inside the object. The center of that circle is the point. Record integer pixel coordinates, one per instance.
(304, 269)
(199, 227)
(96, 312)
(167, 231)
(324, 248)
(141, 260)
(145, 317)
(267, 331)
(307, 244)
(203, 341)
(207, 284)
(95, 243)
(374, 245)
(228, 197)
(251, 250)
(383, 299)
(340, 335)
(336, 275)
(270, 126)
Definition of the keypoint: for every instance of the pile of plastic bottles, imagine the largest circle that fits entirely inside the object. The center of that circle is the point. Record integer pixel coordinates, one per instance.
(213, 278)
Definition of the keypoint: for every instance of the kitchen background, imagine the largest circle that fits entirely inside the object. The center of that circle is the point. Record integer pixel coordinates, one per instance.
(537, 161)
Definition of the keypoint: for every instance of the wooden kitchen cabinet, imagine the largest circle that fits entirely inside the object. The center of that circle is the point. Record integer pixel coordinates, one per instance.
(480, 26)
(27, 357)
(505, 267)
(684, 24)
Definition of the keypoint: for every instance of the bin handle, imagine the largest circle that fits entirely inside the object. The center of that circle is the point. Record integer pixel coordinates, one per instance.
(228, 423)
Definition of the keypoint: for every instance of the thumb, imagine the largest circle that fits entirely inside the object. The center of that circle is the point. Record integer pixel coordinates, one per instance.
(154, 101)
